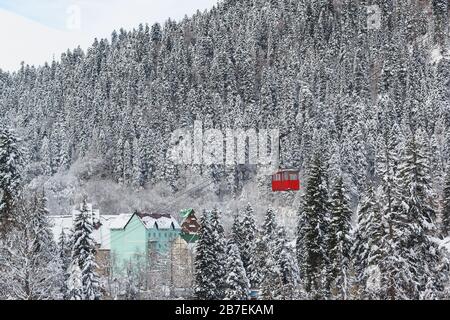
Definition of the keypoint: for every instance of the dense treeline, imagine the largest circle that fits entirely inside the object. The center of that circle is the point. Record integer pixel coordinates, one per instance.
(364, 113)
(314, 69)
(393, 251)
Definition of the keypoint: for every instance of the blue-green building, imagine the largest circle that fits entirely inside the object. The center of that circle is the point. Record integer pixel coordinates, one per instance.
(141, 235)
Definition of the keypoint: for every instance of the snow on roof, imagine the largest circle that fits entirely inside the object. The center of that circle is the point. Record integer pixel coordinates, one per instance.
(161, 221)
(121, 221)
(186, 212)
(105, 223)
(101, 235)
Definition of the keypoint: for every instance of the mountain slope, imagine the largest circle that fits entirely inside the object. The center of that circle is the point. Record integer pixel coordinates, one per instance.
(311, 68)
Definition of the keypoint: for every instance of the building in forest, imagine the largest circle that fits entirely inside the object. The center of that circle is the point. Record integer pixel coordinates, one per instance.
(141, 236)
(149, 241)
(100, 234)
(190, 226)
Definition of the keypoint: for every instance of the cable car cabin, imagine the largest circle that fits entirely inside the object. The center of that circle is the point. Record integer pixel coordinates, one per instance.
(286, 180)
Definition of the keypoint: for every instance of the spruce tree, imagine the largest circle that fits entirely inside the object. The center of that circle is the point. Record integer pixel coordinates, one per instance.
(425, 258)
(271, 278)
(31, 269)
(265, 241)
(315, 242)
(394, 268)
(340, 241)
(83, 256)
(368, 249)
(300, 241)
(11, 167)
(446, 206)
(74, 283)
(64, 253)
(209, 259)
(269, 271)
(237, 284)
(248, 245)
(288, 267)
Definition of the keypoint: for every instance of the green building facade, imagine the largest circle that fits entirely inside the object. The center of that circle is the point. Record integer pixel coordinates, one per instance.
(139, 236)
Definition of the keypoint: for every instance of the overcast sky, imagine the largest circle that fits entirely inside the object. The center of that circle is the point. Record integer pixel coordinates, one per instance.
(35, 31)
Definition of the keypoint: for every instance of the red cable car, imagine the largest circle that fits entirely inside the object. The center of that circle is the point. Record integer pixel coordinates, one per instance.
(286, 180)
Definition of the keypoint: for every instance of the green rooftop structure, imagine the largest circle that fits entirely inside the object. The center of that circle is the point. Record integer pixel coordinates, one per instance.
(190, 226)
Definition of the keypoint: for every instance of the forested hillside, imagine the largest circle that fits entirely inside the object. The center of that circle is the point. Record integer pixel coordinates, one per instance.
(311, 68)
(364, 113)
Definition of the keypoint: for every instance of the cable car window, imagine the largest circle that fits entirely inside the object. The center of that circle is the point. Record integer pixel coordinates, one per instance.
(293, 177)
(277, 177)
(285, 176)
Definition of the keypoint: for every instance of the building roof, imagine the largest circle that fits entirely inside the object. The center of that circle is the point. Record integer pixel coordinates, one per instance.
(186, 212)
(104, 223)
(158, 221)
(101, 235)
(149, 220)
(121, 221)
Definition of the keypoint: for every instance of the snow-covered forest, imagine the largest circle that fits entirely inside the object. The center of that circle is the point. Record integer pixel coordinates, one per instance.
(363, 110)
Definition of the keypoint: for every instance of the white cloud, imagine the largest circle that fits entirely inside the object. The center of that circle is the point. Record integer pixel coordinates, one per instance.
(26, 40)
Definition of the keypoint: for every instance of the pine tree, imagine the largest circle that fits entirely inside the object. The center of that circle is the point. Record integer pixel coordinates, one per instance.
(31, 267)
(368, 249)
(424, 255)
(288, 267)
(269, 273)
(11, 166)
(446, 207)
(209, 268)
(395, 270)
(236, 229)
(340, 241)
(248, 244)
(315, 242)
(271, 278)
(265, 240)
(64, 256)
(300, 242)
(270, 225)
(74, 283)
(83, 257)
(237, 284)
(46, 157)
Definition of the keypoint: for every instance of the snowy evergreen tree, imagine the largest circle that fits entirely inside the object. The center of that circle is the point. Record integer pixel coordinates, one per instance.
(11, 166)
(368, 249)
(333, 81)
(424, 257)
(209, 267)
(315, 238)
(265, 240)
(288, 267)
(237, 284)
(271, 278)
(446, 207)
(31, 267)
(248, 245)
(74, 283)
(64, 253)
(340, 241)
(300, 242)
(83, 258)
